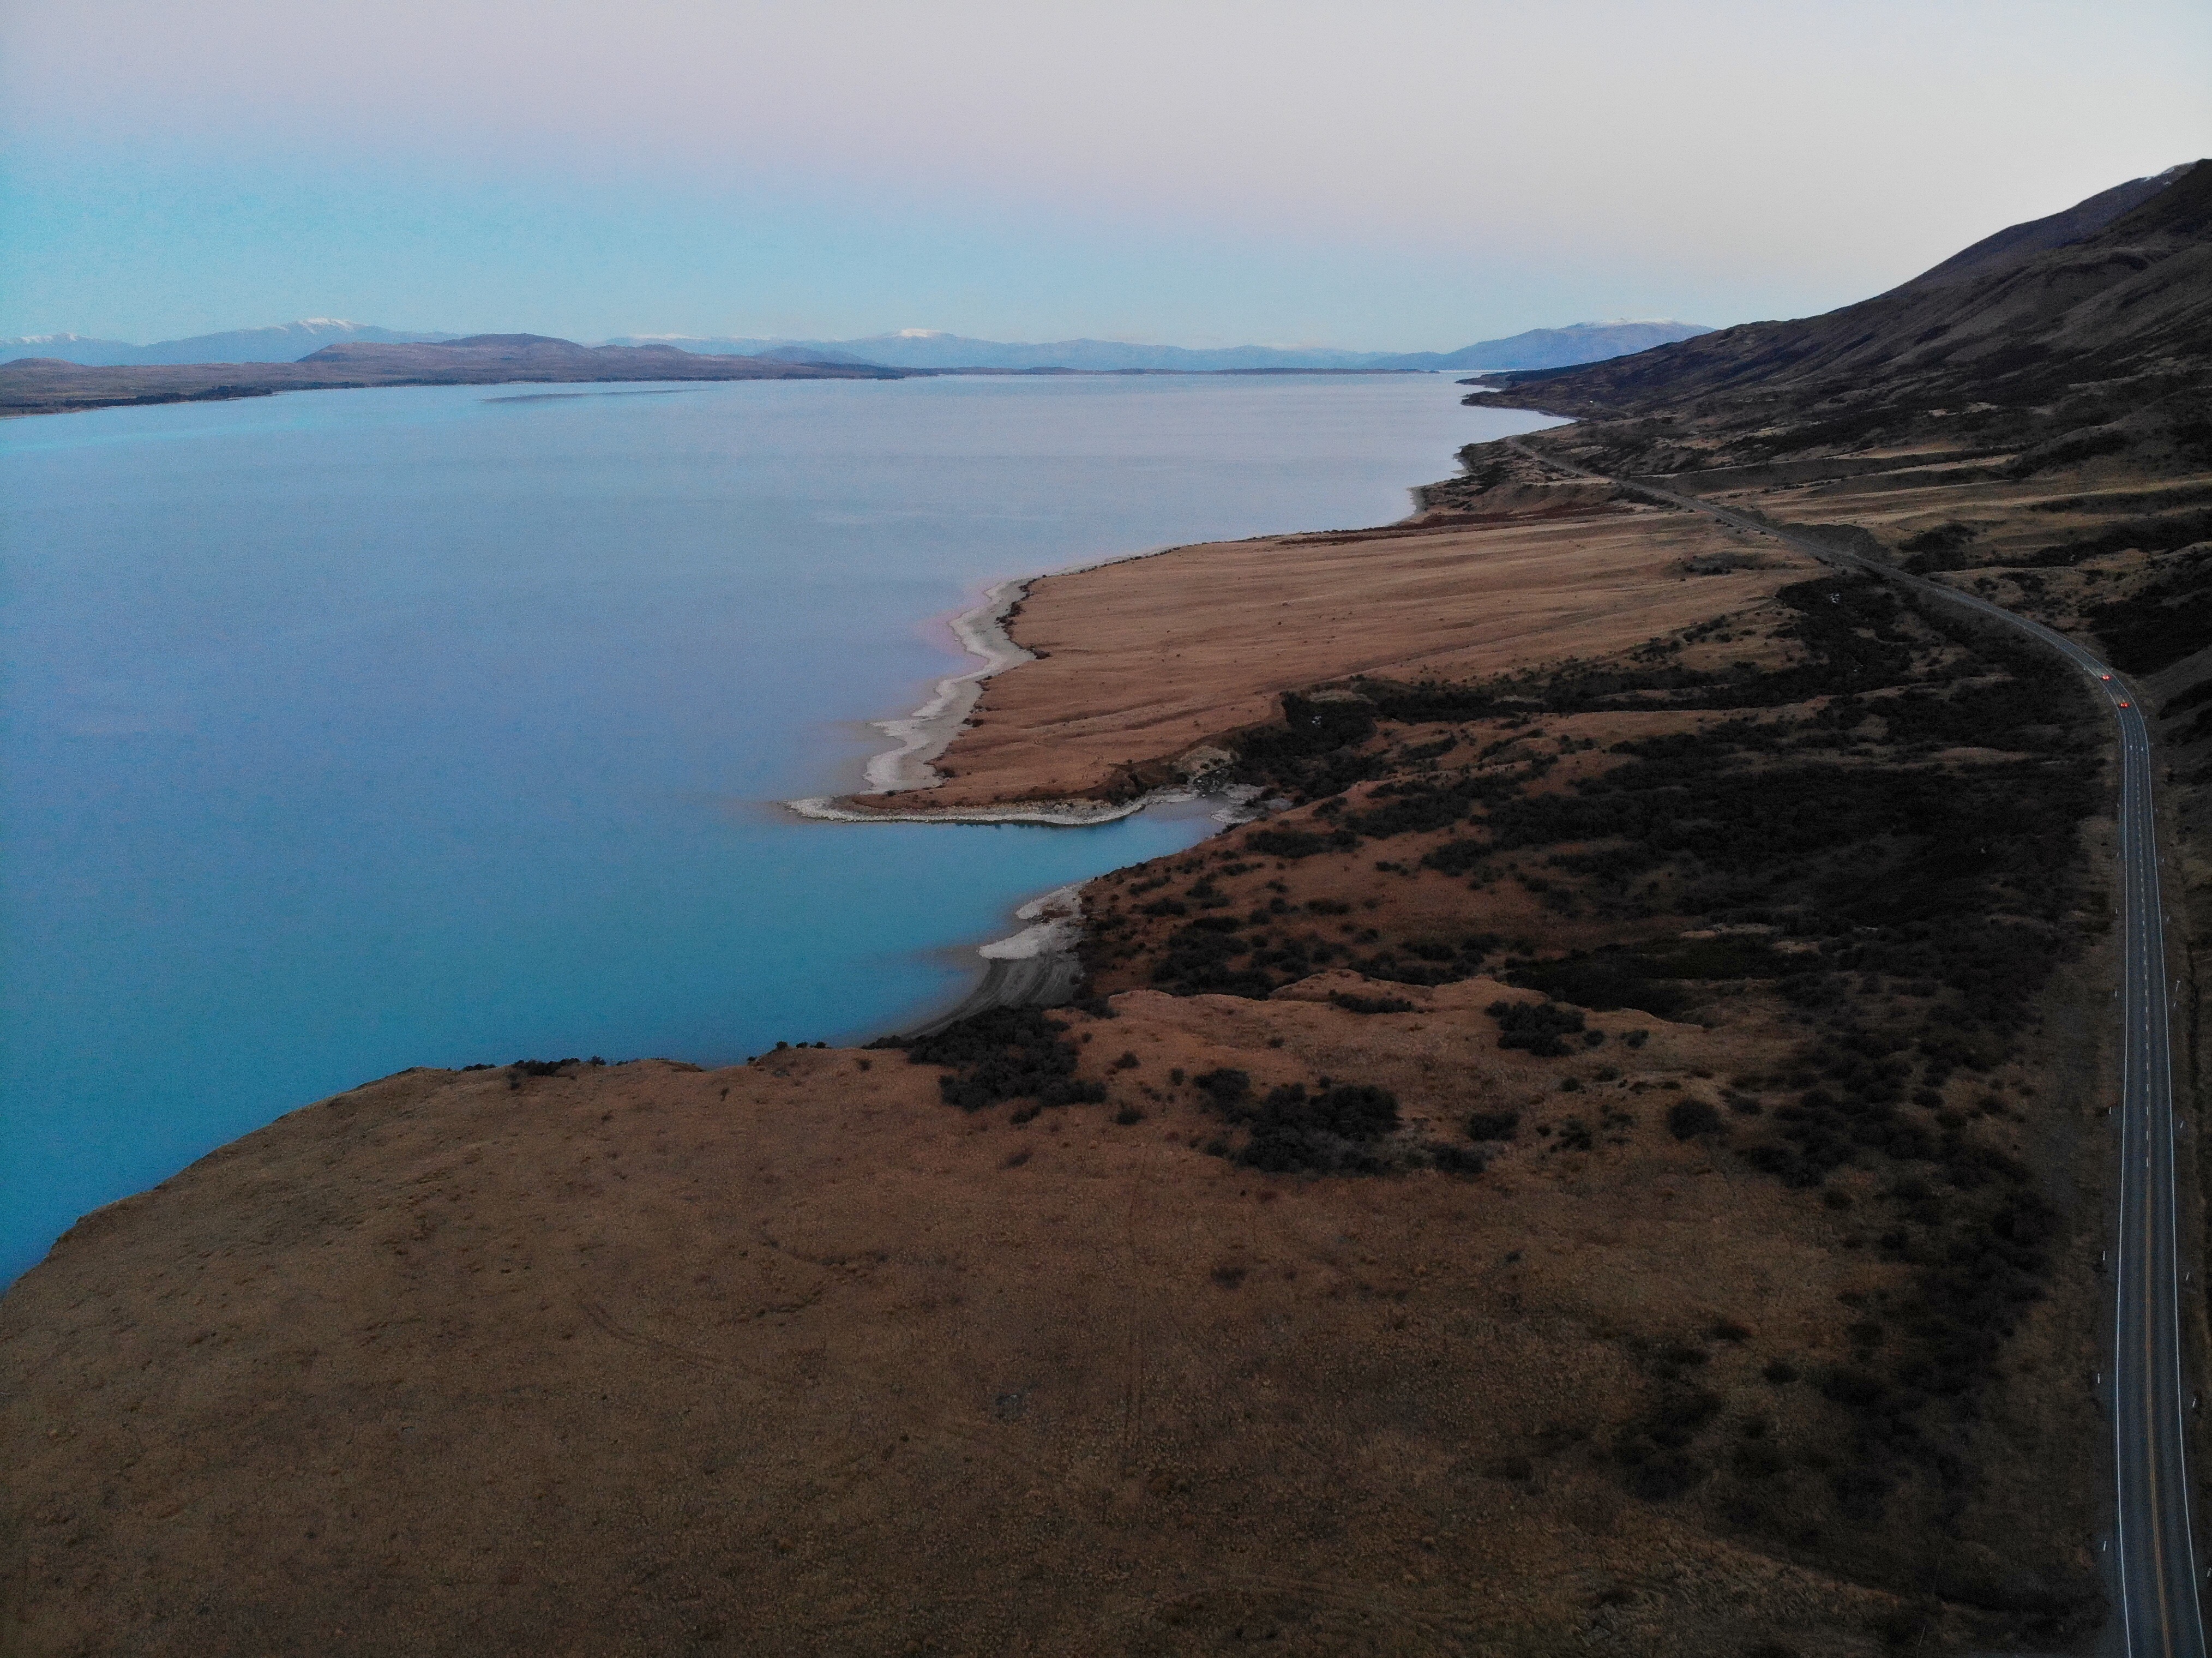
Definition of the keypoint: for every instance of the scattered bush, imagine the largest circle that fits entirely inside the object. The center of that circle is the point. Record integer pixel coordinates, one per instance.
(1006, 1054)
(522, 1068)
(1354, 1004)
(1294, 844)
(1327, 1130)
(1686, 1120)
(1536, 1027)
(1225, 1088)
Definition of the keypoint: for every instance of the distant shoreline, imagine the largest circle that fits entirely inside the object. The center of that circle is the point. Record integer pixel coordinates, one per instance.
(49, 386)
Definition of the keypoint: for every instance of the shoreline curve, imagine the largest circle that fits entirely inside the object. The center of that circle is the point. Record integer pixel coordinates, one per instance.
(925, 733)
(1051, 814)
(920, 738)
(1036, 967)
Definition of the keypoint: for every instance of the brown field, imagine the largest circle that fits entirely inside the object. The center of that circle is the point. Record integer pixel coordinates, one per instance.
(1143, 661)
(793, 1359)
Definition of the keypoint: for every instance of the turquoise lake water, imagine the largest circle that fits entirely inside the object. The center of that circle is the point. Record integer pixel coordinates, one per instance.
(348, 730)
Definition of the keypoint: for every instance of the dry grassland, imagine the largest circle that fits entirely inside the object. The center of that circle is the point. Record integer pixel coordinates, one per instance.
(1143, 661)
(793, 1359)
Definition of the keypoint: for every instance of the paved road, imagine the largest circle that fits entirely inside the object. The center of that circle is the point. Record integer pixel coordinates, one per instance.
(2155, 1574)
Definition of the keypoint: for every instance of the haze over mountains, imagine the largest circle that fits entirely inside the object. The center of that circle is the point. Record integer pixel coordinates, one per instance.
(928, 348)
(918, 348)
(286, 343)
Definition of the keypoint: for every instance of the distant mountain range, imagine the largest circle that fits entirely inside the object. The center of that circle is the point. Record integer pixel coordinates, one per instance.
(927, 347)
(1556, 348)
(913, 349)
(287, 343)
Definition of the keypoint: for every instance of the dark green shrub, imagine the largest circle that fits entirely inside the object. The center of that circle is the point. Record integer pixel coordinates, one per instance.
(1456, 857)
(1326, 1131)
(1352, 1004)
(1006, 1054)
(1536, 1027)
(522, 1068)
(1688, 1119)
(1225, 1088)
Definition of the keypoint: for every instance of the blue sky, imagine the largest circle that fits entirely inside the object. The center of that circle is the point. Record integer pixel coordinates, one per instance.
(1387, 176)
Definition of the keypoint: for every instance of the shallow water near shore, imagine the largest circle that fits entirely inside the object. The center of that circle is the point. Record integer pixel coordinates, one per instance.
(348, 730)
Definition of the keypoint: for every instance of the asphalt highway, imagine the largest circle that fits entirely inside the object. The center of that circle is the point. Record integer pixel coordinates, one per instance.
(2154, 1574)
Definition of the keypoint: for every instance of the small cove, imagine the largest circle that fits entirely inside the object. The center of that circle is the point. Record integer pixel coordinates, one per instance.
(349, 730)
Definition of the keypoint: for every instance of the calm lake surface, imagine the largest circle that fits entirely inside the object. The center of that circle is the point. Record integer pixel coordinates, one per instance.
(348, 730)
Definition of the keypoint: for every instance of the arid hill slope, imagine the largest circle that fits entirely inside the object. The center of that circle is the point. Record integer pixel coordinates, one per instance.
(1992, 353)
(2016, 243)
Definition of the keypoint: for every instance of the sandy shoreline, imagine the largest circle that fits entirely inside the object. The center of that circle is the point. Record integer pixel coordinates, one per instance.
(828, 808)
(921, 737)
(1036, 967)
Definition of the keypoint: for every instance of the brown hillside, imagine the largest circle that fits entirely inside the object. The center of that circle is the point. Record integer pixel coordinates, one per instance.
(2132, 300)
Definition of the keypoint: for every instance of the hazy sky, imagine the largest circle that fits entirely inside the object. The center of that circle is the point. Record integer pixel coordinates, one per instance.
(1374, 175)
